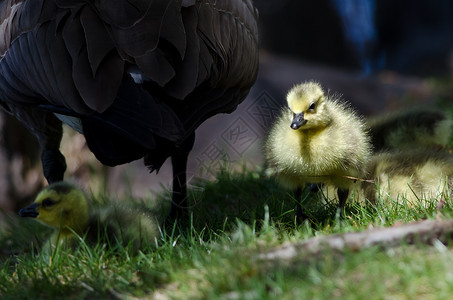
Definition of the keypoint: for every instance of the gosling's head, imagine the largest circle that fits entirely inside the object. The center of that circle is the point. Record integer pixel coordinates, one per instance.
(306, 102)
(61, 205)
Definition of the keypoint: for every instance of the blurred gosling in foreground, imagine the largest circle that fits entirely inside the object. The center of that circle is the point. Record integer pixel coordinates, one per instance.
(65, 208)
(317, 139)
(414, 128)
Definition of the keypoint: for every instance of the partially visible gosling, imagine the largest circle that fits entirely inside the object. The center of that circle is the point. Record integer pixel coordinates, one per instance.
(414, 128)
(65, 208)
(410, 175)
(317, 139)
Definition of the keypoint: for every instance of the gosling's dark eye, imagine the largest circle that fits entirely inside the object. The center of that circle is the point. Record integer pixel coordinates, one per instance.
(312, 106)
(47, 202)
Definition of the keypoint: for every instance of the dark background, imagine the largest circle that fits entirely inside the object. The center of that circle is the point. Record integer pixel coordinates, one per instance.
(408, 36)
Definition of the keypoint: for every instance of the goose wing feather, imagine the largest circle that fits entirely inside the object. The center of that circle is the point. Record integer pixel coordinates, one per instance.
(76, 54)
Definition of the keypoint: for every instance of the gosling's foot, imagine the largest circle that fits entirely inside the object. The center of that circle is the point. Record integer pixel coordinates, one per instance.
(301, 216)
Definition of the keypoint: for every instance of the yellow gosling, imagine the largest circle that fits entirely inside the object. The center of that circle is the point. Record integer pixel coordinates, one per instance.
(317, 139)
(65, 208)
(410, 176)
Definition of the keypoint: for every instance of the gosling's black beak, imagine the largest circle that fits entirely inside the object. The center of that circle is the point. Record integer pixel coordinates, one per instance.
(29, 211)
(298, 120)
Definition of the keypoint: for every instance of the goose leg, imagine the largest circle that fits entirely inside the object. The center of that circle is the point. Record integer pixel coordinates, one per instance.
(53, 165)
(179, 206)
(48, 130)
(53, 162)
(342, 197)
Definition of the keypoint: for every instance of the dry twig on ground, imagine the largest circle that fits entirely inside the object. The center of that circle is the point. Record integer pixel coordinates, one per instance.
(423, 232)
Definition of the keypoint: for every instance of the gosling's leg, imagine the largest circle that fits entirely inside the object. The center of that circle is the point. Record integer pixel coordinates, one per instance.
(179, 207)
(342, 197)
(301, 216)
(315, 187)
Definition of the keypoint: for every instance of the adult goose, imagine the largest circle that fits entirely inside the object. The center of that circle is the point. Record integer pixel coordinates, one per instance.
(136, 77)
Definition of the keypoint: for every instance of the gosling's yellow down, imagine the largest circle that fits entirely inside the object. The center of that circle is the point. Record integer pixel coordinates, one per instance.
(421, 127)
(410, 176)
(64, 207)
(317, 139)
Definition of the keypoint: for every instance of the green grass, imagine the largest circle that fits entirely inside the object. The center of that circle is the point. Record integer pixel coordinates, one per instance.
(235, 219)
